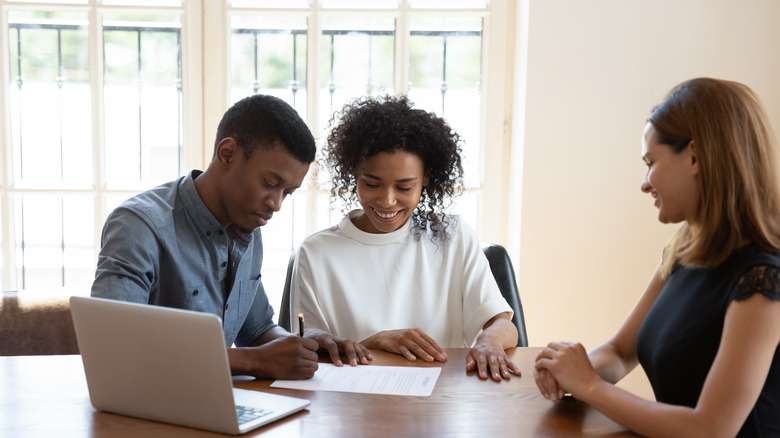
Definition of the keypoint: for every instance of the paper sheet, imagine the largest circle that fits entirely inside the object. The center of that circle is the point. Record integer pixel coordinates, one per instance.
(369, 379)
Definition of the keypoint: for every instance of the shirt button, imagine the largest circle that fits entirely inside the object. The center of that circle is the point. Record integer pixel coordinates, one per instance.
(221, 232)
(224, 264)
(208, 233)
(226, 306)
(195, 292)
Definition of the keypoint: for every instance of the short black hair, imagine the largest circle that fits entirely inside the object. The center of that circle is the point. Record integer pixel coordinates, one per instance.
(260, 121)
(370, 125)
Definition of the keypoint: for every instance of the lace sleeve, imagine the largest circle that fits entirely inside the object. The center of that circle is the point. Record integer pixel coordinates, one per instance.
(764, 280)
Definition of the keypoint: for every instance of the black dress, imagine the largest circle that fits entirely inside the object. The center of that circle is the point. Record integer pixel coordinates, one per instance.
(679, 338)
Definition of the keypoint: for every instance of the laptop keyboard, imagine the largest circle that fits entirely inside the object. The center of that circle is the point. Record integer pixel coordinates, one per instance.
(248, 413)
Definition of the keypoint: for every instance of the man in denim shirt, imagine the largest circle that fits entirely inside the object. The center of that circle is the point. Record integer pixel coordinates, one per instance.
(195, 243)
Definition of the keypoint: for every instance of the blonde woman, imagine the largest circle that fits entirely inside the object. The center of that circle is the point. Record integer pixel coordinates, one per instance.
(707, 328)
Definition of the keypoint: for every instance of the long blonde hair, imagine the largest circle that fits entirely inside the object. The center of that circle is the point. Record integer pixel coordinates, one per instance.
(740, 197)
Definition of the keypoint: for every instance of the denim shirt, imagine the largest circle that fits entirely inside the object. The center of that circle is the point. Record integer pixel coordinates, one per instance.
(164, 247)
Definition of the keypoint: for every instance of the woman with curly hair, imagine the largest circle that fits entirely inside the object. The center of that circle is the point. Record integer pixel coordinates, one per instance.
(707, 328)
(399, 274)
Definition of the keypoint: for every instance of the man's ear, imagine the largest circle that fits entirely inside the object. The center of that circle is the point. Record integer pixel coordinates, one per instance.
(227, 150)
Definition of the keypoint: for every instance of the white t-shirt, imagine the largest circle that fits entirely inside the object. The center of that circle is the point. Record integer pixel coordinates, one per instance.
(355, 284)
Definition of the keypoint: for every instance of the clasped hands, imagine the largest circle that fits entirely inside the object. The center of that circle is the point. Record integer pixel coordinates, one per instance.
(564, 367)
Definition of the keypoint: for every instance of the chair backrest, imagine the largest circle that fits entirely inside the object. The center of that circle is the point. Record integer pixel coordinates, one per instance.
(504, 273)
(36, 323)
(500, 266)
(286, 307)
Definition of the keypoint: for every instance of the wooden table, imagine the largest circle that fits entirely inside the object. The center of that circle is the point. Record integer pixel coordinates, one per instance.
(47, 396)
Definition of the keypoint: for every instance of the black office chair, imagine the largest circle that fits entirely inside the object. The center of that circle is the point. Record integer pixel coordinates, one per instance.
(500, 266)
(286, 308)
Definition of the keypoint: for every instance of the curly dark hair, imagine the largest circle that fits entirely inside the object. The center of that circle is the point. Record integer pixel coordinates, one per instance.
(368, 126)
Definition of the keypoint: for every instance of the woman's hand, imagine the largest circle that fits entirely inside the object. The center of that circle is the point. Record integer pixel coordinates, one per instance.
(488, 353)
(410, 343)
(547, 385)
(564, 366)
(487, 356)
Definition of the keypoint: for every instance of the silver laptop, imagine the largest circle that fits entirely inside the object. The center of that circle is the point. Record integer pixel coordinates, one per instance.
(167, 365)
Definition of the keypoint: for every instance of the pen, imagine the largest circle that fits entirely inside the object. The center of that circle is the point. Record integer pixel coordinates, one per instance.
(300, 323)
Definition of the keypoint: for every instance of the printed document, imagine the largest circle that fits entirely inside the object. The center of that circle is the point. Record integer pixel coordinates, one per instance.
(369, 379)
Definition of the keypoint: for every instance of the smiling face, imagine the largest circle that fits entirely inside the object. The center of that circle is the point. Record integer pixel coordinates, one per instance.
(671, 178)
(252, 189)
(389, 186)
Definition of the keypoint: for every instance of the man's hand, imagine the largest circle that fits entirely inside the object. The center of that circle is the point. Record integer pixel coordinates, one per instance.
(336, 347)
(285, 357)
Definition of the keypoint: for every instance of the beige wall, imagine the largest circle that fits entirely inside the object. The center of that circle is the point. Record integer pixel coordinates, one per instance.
(588, 73)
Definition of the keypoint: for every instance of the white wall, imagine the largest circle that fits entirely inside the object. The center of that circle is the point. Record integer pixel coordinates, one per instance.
(588, 73)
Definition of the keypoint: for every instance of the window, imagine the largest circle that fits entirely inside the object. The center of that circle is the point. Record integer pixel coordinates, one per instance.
(93, 114)
(319, 56)
(103, 99)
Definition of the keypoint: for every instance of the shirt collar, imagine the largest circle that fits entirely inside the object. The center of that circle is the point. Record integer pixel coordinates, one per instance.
(245, 238)
(349, 229)
(204, 220)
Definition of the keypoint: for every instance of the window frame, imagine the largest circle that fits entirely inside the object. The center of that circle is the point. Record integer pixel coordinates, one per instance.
(191, 20)
(205, 34)
(496, 95)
